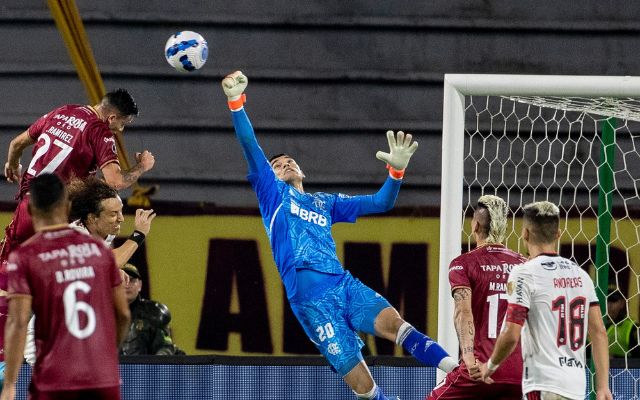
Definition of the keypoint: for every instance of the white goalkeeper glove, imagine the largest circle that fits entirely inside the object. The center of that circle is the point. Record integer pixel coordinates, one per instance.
(233, 86)
(400, 151)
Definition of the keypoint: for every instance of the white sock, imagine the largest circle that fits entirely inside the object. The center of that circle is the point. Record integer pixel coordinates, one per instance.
(370, 394)
(403, 332)
(448, 364)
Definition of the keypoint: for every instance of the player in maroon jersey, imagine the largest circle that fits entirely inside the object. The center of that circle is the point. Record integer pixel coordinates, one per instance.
(71, 282)
(72, 141)
(478, 283)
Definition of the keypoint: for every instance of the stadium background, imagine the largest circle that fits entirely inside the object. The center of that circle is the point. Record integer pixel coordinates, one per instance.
(328, 78)
(215, 272)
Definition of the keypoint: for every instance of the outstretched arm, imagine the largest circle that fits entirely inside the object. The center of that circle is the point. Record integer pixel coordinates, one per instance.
(400, 151)
(234, 86)
(383, 200)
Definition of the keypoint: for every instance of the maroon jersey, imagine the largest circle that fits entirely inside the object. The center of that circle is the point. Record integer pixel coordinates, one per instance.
(70, 276)
(485, 270)
(70, 142)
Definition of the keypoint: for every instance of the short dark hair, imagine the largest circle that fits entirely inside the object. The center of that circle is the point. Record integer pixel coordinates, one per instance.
(276, 156)
(122, 101)
(87, 195)
(45, 191)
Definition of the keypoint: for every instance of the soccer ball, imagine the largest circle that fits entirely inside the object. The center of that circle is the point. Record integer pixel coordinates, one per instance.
(186, 51)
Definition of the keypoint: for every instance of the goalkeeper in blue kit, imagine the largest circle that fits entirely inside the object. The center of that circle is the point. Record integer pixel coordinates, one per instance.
(329, 302)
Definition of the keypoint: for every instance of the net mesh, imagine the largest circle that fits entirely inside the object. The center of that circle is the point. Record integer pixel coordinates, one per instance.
(527, 149)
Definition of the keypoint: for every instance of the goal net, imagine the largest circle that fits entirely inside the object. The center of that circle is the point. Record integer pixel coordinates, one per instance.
(570, 140)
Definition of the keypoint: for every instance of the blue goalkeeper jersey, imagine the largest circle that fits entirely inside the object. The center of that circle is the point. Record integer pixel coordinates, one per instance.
(299, 224)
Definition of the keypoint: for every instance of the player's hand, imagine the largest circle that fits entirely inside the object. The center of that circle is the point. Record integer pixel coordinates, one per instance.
(234, 84)
(400, 150)
(485, 374)
(474, 370)
(145, 160)
(604, 394)
(143, 220)
(125, 277)
(12, 172)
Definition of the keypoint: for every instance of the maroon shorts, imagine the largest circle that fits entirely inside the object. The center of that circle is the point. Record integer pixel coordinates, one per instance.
(21, 228)
(108, 393)
(456, 386)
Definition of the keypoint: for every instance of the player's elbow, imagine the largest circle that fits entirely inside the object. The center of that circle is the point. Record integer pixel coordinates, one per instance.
(597, 331)
(386, 203)
(115, 181)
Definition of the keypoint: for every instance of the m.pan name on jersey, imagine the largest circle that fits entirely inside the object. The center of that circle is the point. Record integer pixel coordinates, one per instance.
(309, 216)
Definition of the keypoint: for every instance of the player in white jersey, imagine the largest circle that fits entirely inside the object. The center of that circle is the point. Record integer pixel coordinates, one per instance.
(553, 304)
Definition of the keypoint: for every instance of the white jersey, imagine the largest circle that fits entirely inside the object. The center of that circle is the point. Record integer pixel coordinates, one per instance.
(77, 225)
(557, 294)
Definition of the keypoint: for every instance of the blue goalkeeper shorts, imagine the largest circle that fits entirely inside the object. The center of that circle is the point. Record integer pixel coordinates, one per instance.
(331, 314)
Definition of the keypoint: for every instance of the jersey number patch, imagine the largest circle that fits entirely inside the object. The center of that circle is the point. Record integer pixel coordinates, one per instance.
(571, 325)
(494, 300)
(55, 162)
(73, 308)
(325, 332)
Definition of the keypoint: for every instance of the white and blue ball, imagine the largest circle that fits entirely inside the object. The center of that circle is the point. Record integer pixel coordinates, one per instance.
(186, 51)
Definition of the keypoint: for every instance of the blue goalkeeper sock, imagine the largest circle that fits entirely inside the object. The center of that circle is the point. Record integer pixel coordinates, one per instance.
(424, 349)
(374, 394)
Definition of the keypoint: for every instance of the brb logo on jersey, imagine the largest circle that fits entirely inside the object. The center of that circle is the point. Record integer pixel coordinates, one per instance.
(309, 216)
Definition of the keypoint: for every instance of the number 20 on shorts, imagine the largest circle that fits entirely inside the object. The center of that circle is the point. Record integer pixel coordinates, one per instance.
(325, 332)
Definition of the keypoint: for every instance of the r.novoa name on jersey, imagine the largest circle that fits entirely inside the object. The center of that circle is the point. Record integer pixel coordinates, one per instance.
(74, 274)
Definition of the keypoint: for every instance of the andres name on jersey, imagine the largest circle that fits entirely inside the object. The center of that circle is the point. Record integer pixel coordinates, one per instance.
(309, 216)
(567, 283)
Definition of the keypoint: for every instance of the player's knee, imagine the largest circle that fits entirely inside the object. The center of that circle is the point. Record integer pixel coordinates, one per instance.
(387, 323)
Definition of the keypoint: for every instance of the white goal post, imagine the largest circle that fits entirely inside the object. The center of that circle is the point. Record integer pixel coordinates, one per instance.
(456, 88)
